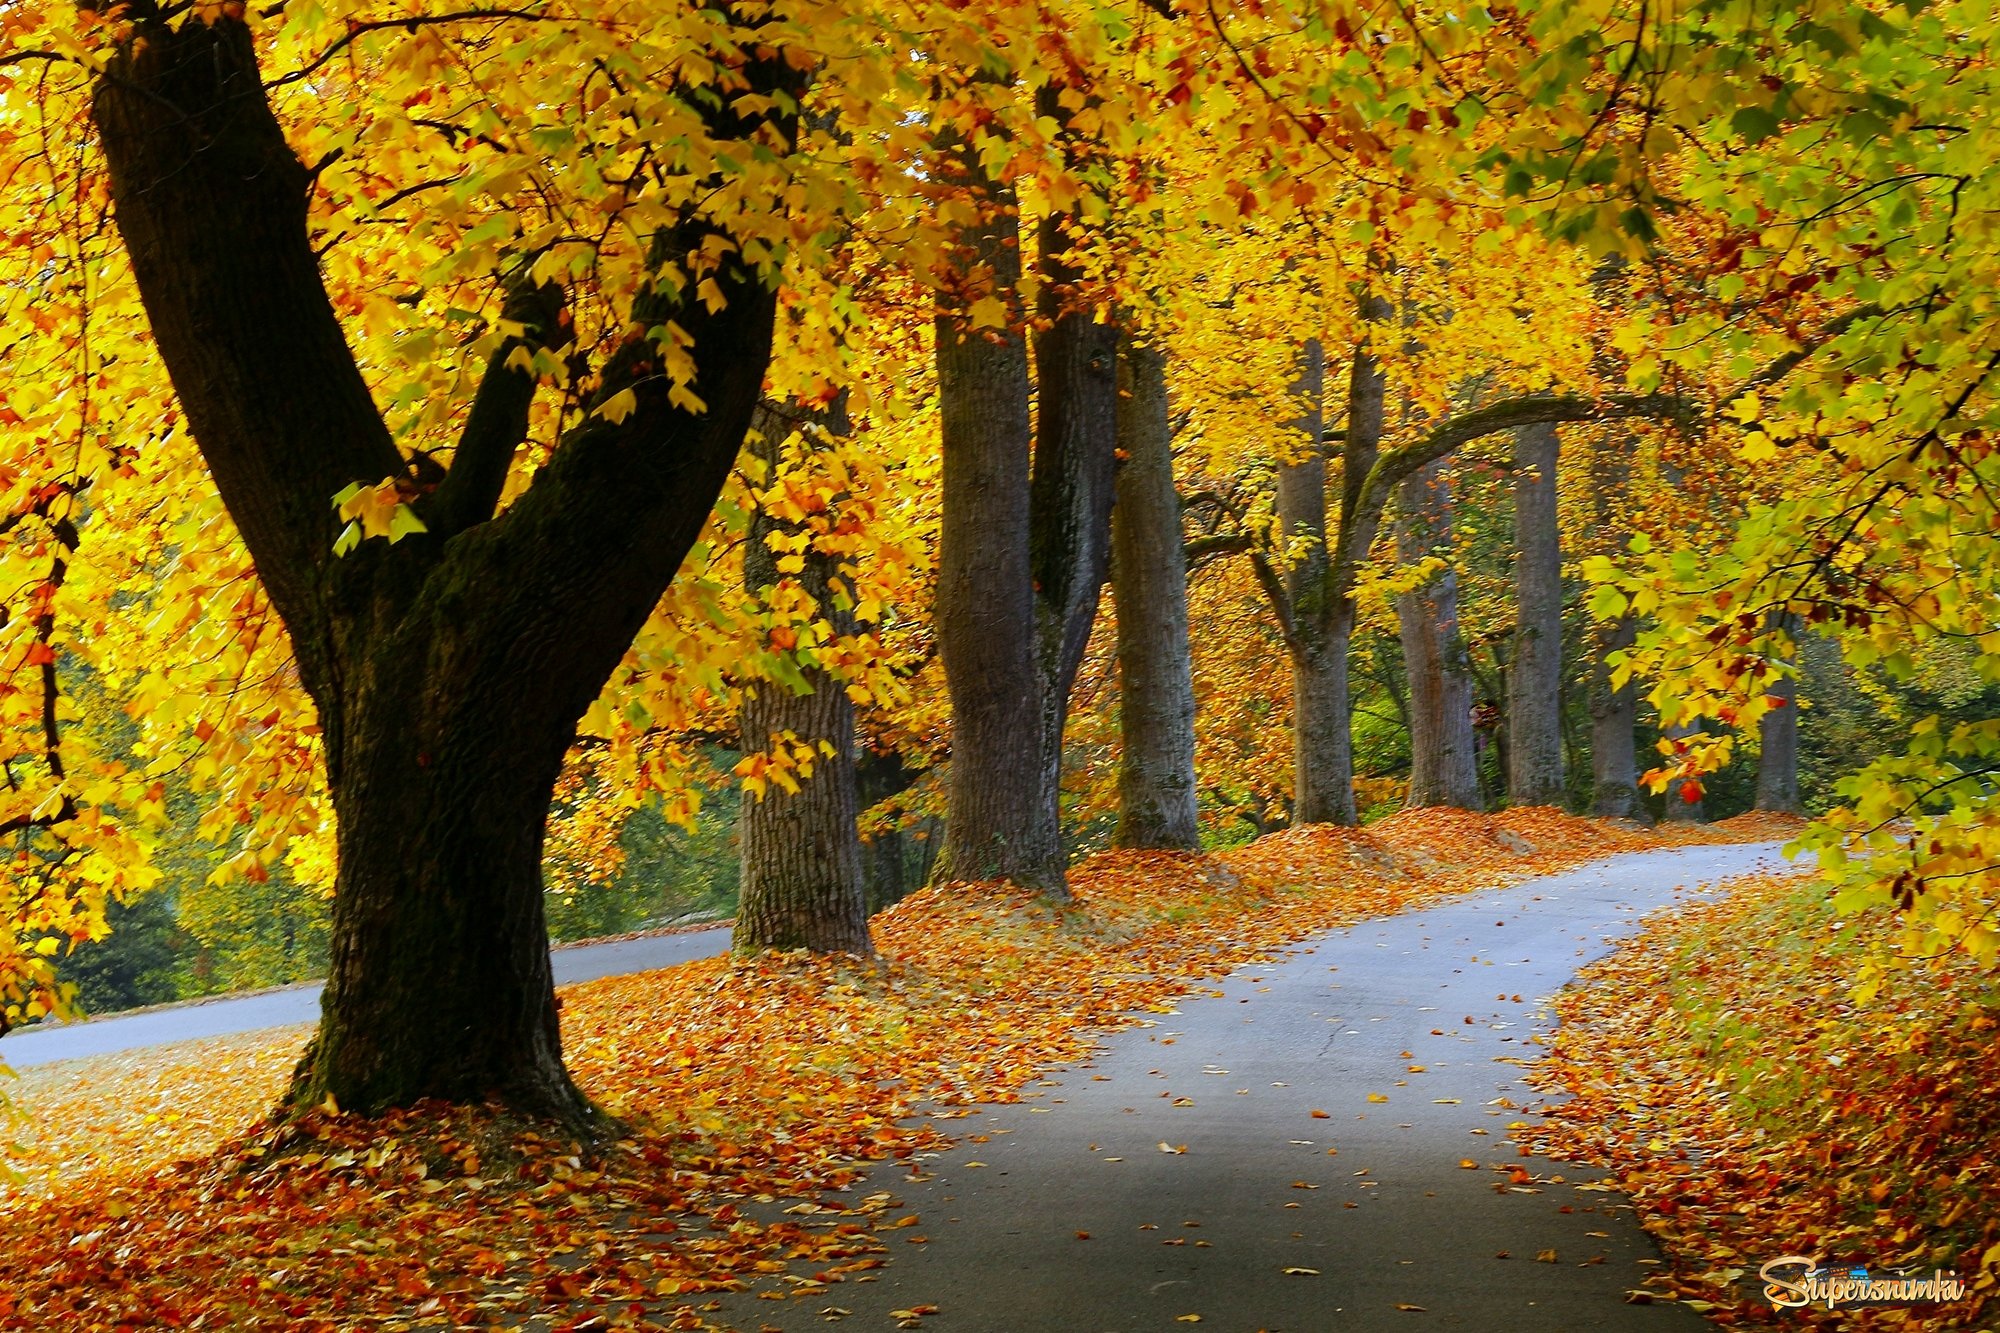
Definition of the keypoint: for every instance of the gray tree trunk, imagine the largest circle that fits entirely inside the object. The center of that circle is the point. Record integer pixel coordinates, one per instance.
(1534, 680)
(1444, 766)
(998, 826)
(1025, 536)
(1614, 713)
(1320, 621)
(1157, 805)
(802, 885)
(1778, 735)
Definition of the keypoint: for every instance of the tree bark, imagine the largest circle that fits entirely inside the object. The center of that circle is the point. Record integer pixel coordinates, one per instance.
(1318, 618)
(1157, 797)
(1778, 735)
(802, 885)
(1025, 544)
(447, 670)
(1444, 769)
(1000, 824)
(1534, 683)
(1074, 483)
(1614, 715)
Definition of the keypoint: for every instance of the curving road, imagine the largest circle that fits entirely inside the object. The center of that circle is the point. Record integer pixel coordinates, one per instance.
(45, 1044)
(1409, 1034)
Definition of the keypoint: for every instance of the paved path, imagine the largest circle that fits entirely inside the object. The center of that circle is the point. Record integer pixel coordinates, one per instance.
(1391, 1219)
(300, 1004)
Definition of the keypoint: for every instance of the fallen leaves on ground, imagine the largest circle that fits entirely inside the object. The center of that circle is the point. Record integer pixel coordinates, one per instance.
(1720, 1066)
(744, 1085)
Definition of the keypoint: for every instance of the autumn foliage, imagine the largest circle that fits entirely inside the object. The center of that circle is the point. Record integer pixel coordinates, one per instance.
(1720, 1066)
(781, 1076)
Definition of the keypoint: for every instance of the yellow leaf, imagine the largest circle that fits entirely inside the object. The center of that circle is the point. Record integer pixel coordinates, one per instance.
(618, 406)
(989, 312)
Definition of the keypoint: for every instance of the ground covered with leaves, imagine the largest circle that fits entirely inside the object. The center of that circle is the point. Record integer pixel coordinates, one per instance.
(155, 1196)
(1753, 1108)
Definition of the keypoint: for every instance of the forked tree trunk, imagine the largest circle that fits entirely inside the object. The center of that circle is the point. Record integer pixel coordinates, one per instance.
(1157, 798)
(1024, 544)
(1534, 681)
(1444, 765)
(803, 886)
(1778, 736)
(448, 670)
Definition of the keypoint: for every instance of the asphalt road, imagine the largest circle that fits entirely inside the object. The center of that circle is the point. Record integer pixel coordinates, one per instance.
(44, 1044)
(1408, 1032)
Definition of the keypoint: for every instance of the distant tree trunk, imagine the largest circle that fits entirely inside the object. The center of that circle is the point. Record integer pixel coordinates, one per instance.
(1025, 541)
(1677, 808)
(1778, 733)
(1534, 684)
(1322, 738)
(1614, 713)
(1157, 805)
(1444, 766)
(1319, 620)
(802, 885)
(879, 776)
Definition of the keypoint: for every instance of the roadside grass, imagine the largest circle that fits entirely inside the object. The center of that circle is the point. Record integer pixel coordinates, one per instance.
(1720, 1063)
(744, 1083)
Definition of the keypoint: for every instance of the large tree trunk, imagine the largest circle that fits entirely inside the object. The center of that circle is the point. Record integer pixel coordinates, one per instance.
(1534, 683)
(1024, 547)
(802, 872)
(448, 670)
(1157, 805)
(1444, 766)
(1778, 735)
(439, 979)
(1614, 715)
(1000, 824)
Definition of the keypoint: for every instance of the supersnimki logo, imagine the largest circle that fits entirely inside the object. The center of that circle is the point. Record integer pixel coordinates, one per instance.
(1793, 1281)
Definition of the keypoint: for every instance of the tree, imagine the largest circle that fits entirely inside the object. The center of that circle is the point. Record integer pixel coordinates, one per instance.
(1444, 761)
(1024, 543)
(803, 886)
(1157, 800)
(1614, 707)
(1534, 680)
(1778, 748)
(449, 668)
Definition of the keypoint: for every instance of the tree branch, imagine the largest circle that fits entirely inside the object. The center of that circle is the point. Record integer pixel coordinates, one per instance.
(498, 422)
(1198, 549)
(1273, 585)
